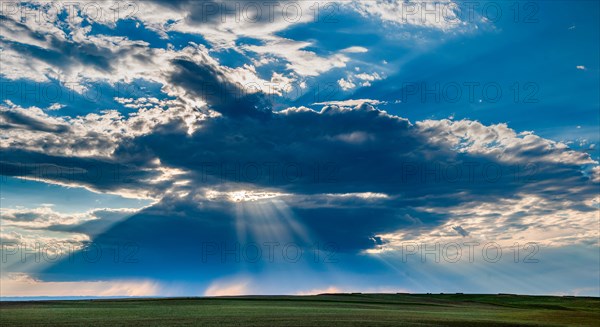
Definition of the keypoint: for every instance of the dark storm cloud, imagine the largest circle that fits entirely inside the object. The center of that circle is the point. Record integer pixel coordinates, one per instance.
(216, 12)
(200, 241)
(303, 152)
(105, 219)
(161, 240)
(346, 151)
(15, 119)
(315, 157)
(210, 83)
(461, 231)
(96, 173)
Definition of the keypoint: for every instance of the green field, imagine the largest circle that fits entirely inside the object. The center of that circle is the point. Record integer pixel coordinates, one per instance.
(319, 310)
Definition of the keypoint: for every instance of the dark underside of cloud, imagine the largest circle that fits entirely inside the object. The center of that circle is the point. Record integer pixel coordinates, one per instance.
(312, 157)
(209, 83)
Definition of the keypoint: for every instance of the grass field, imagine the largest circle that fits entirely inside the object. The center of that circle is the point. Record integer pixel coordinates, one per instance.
(319, 310)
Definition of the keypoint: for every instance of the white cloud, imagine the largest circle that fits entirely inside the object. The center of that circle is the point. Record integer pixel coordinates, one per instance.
(346, 84)
(355, 49)
(92, 135)
(242, 195)
(364, 79)
(499, 141)
(20, 284)
(239, 286)
(438, 14)
(56, 106)
(521, 219)
(45, 216)
(51, 229)
(303, 62)
(368, 78)
(53, 242)
(351, 103)
(596, 174)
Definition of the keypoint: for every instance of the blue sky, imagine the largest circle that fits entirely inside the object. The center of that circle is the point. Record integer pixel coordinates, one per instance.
(298, 147)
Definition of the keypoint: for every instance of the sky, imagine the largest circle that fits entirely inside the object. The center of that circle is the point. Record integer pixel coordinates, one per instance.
(199, 148)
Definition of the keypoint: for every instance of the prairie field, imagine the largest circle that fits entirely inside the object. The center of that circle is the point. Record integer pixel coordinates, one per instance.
(317, 310)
